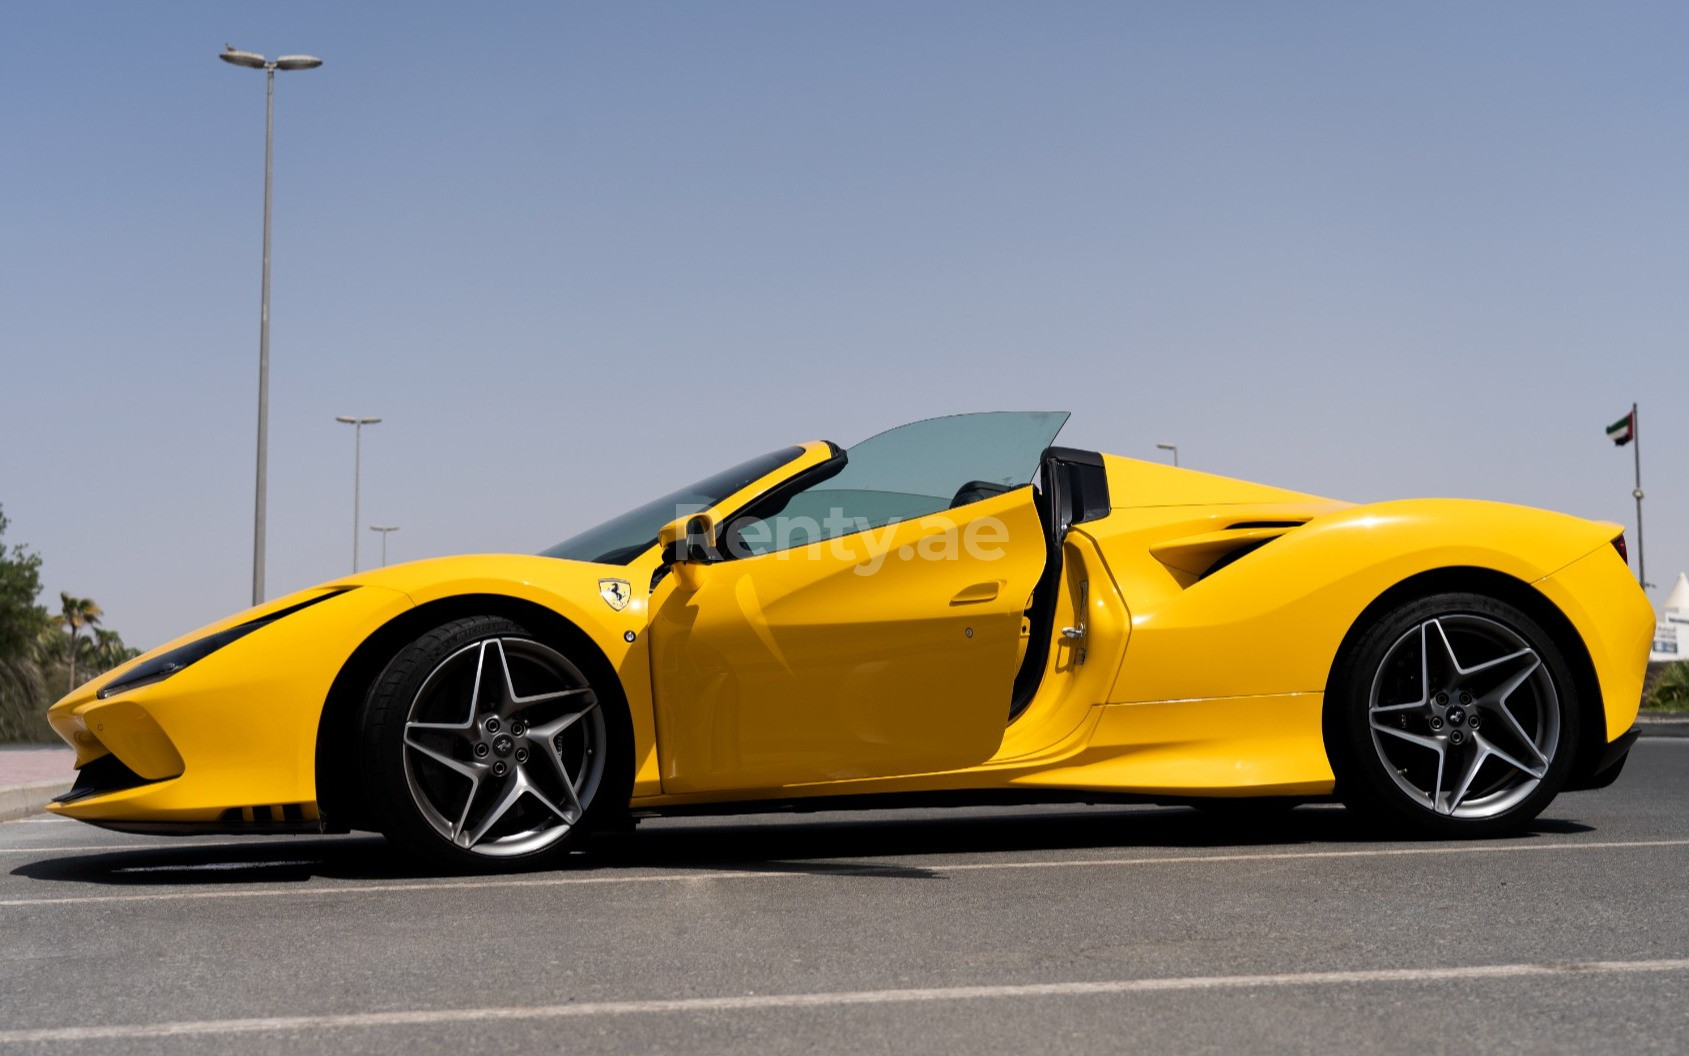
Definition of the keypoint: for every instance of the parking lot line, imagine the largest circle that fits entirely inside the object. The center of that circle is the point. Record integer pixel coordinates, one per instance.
(834, 869)
(432, 885)
(1379, 852)
(771, 1002)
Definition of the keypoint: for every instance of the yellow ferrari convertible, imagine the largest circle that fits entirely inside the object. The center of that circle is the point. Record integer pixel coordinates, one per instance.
(951, 610)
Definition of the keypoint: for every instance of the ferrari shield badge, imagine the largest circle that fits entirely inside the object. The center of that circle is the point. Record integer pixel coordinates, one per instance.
(615, 592)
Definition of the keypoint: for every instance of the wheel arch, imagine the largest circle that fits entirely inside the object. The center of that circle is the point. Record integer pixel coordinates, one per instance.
(340, 792)
(1521, 595)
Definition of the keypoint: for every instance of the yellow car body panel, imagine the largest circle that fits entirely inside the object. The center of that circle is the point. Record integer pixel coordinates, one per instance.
(1225, 746)
(867, 655)
(1615, 624)
(786, 676)
(1279, 617)
(1282, 613)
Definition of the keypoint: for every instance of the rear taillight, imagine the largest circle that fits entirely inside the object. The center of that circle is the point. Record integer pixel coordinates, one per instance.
(1624, 551)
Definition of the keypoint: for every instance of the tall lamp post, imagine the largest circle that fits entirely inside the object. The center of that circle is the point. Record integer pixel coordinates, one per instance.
(357, 425)
(269, 66)
(384, 529)
(1170, 447)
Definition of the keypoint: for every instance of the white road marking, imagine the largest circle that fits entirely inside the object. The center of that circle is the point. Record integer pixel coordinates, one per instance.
(835, 869)
(1381, 852)
(834, 999)
(433, 885)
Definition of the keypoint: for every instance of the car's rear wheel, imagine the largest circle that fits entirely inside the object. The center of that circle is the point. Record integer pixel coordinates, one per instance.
(1454, 715)
(483, 745)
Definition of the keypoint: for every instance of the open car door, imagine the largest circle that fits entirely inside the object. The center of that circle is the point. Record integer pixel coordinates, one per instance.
(864, 621)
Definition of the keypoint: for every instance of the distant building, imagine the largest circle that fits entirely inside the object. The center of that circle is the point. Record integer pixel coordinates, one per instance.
(1671, 633)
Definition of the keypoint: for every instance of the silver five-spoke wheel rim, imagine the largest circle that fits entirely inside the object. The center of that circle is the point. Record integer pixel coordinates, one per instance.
(504, 747)
(1464, 716)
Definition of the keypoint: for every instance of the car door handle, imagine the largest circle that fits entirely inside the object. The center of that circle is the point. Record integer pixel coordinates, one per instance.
(1078, 634)
(978, 592)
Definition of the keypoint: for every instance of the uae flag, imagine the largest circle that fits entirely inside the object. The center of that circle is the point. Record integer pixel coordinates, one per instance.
(1623, 431)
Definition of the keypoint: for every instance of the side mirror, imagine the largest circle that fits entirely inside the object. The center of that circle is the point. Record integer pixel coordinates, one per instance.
(688, 545)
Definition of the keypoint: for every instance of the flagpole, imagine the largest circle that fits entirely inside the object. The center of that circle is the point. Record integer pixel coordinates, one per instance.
(1636, 442)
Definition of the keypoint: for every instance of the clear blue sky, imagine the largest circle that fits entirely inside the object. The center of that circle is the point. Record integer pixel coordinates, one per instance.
(575, 255)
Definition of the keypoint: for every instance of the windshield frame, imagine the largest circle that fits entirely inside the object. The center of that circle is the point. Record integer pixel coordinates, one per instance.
(801, 457)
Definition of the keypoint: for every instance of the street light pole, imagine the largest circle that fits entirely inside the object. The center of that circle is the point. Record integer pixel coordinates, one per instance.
(357, 425)
(1173, 448)
(259, 512)
(384, 529)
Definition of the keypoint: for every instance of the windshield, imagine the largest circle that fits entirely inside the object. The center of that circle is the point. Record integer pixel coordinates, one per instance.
(911, 471)
(621, 539)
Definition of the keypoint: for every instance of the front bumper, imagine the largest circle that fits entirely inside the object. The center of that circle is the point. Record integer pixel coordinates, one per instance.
(226, 744)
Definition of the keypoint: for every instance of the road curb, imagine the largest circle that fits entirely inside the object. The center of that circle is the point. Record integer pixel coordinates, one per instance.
(20, 801)
(1663, 724)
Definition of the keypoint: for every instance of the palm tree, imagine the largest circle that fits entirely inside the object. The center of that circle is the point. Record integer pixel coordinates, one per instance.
(109, 650)
(75, 614)
(108, 645)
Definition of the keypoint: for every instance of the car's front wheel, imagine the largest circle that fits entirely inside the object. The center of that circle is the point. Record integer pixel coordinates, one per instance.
(483, 745)
(1455, 715)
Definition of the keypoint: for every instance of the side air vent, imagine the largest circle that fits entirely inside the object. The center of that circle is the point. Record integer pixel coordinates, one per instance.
(1205, 554)
(102, 775)
(271, 816)
(1234, 556)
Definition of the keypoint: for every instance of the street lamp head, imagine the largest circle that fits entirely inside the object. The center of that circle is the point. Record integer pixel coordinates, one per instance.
(253, 60)
(383, 527)
(1168, 447)
(242, 58)
(350, 420)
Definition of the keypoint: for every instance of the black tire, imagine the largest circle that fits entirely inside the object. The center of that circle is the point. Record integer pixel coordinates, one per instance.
(484, 747)
(1399, 719)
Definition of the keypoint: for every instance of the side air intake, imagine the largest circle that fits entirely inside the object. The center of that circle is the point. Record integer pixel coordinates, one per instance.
(1205, 554)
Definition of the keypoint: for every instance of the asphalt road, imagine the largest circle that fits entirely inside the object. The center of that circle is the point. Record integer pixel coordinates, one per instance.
(1070, 929)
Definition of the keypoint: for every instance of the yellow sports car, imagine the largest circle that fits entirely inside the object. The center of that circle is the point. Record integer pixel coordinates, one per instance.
(950, 610)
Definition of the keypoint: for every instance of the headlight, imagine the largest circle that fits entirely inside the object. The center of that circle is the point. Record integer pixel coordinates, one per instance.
(164, 665)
